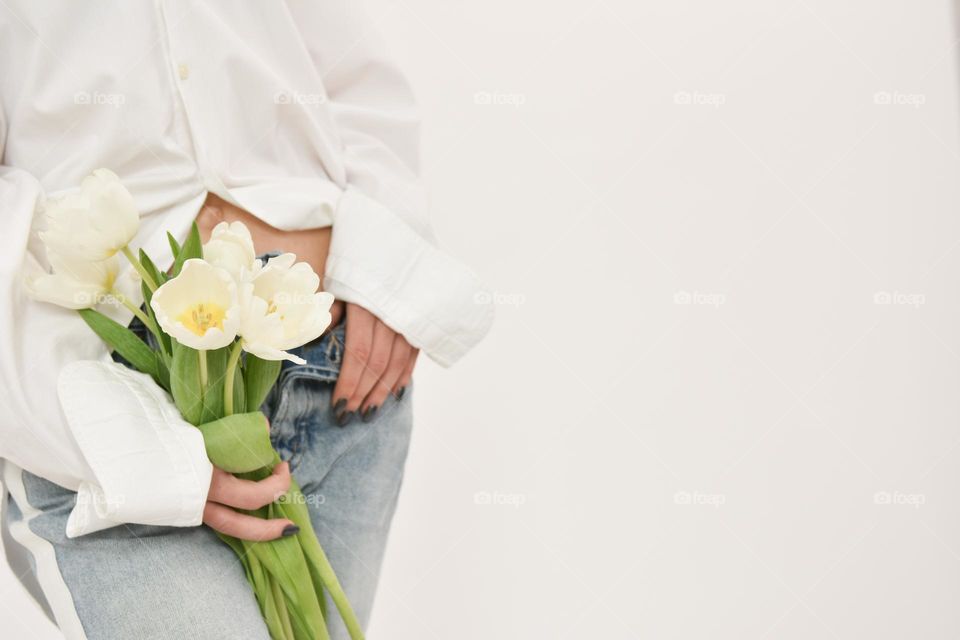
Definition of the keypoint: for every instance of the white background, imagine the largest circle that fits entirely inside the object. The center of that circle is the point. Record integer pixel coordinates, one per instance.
(776, 458)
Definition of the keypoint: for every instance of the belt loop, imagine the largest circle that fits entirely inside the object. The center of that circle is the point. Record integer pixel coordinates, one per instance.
(334, 347)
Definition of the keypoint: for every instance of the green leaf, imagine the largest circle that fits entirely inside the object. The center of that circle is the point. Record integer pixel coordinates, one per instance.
(259, 375)
(163, 374)
(185, 382)
(283, 616)
(123, 341)
(318, 587)
(294, 507)
(174, 245)
(260, 581)
(192, 248)
(216, 374)
(239, 443)
(159, 277)
(284, 560)
(263, 587)
(239, 390)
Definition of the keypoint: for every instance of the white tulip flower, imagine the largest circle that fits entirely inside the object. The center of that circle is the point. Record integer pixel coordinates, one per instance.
(199, 308)
(231, 247)
(93, 223)
(282, 309)
(75, 284)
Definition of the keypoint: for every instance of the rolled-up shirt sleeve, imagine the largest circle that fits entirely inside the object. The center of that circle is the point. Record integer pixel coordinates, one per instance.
(383, 255)
(149, 465)
(141, 466)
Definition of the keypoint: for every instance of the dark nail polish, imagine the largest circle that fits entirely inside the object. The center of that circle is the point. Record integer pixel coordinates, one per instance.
(369, 413)
(290, 530)
(402, 391)
(344, 418)
(339, 405)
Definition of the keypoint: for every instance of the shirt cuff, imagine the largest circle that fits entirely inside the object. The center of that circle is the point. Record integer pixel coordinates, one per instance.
(379, 262)
(149, 465)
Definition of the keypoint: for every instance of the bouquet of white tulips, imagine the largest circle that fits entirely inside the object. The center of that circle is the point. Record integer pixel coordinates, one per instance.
(222, 321)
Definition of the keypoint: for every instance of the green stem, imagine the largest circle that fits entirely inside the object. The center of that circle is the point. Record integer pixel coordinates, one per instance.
(134, 309)
(139, 267)
(228, 382)
(202, 358)
(145, 319)
(318, 560)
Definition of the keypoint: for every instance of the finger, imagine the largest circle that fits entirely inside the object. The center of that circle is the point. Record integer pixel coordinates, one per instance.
(377, 364)
(358, 344)
(399, 357)
(407, 375)
(240, 525)
(232, 491)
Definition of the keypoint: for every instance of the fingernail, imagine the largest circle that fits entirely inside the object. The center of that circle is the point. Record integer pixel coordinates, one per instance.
(344, 418)
(290, 530)
(339, 405)
(369, 413)
(402, 391)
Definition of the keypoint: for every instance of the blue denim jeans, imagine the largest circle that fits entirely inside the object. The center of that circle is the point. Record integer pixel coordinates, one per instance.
(146, 582)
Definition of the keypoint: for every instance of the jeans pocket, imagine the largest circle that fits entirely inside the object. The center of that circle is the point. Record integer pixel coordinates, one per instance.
(300, 399)
(302, 394)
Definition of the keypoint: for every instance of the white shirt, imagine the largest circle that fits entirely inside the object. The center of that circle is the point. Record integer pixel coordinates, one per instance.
(290, 110)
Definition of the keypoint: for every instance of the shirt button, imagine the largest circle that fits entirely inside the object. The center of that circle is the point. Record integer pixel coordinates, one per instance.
(184, 71)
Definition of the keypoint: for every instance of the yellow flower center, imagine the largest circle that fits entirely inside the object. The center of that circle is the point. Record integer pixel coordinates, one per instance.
(198, 319)
(272, 308)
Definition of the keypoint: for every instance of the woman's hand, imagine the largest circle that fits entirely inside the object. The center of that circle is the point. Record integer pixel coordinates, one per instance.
(377, 362)
(228, 492)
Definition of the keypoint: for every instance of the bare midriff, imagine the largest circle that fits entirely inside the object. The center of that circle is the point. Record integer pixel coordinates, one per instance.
(311, 245)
